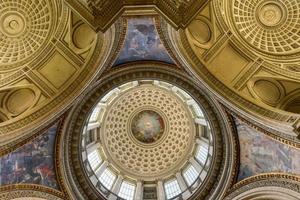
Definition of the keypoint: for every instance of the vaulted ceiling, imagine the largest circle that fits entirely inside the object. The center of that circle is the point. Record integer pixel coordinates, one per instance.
(55, 56)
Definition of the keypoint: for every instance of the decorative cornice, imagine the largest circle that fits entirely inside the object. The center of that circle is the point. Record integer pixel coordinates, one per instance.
(122, 31)
(237, 146)
(101, 14)
(29, 190)
(281, 180)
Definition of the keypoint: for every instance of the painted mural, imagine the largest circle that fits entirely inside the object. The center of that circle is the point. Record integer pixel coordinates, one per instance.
(262, 154)
(147, 126)
(32, 163)
(142, 42)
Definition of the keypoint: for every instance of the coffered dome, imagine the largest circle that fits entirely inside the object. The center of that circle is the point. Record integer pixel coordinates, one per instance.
(148, 131)
(25, 27)
(142, 134)
(269, 26)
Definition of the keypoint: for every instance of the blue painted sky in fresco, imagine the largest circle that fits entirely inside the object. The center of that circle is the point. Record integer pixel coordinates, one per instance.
(262, 154)
(32, 163)
(142, 42)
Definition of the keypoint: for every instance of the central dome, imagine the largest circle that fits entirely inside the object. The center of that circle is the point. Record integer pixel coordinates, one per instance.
(147, 126)
(144, 136)
(147, 130)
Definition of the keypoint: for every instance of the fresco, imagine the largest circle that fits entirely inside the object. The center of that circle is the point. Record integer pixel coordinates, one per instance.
(147, 126)
(142, 42)
(32, 163)
(262, 154)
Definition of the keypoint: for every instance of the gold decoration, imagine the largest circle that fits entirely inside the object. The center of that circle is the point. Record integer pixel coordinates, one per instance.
(269, 26)
(25, 27)
(150, 159)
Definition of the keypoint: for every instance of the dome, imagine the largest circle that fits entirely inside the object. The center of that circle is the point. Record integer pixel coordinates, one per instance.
(140, 134)
(147, 134)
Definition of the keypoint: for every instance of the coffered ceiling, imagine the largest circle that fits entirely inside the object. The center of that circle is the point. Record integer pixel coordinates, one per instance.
(47, 56)
(249, 54)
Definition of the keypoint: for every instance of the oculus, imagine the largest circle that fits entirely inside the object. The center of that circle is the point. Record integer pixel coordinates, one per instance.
(147, 126)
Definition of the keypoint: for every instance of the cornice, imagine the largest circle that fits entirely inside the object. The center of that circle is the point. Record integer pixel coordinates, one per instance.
(29, 190)
(100, 15)
(280, 180)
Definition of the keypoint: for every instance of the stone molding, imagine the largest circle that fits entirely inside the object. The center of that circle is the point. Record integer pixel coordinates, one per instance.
(260, 185)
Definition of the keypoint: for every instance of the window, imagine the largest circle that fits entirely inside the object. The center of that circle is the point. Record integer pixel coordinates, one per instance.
(95, 113)
(94, 159)
(172, 189)
(107, 179)
(190, 175)
(127, 191)
(201, 154)
(197, 109)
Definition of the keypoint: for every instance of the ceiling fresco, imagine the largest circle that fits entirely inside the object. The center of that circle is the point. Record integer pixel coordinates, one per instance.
(142, 42)
(262, 154)
(32, 163)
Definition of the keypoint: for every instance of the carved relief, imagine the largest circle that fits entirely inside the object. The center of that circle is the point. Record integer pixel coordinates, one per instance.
(16, 100)
(267, 90)
(202, 31)
(48, 47)
(79, 37)
(30, 192)
(266, 186)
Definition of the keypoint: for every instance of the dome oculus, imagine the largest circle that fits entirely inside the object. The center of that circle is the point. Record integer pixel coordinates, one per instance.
(147, 126)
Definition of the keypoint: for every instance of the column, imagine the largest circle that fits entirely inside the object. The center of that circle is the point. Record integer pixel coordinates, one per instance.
(160, 190)
(183, 186)
(139, 191)
(93, 125)
(101, 168)
(116, 188)
(196, 165)
(201, 121)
